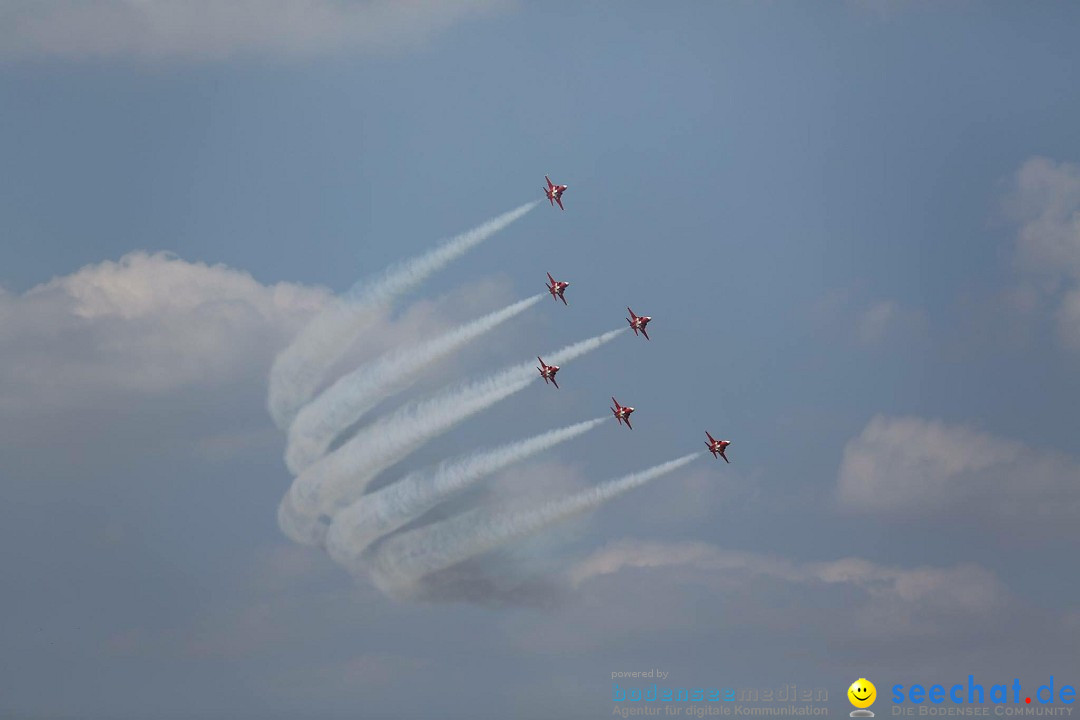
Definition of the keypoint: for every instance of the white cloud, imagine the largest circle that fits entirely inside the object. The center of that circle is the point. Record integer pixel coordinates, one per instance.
(853, 314)
(214, 29)
(147, 324)
(966, 588)
(1068, 320)
(874, 322)
(685, 588)
(1045, 202)
(910, 466)
(152, 355)
(153, 324)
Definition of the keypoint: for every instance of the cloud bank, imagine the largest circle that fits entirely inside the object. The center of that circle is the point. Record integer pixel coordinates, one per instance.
(149, 324)
(914, 467)
(1045, 202)
(849, 599)
(208, 30)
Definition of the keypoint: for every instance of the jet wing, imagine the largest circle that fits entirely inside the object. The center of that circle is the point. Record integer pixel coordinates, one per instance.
(559, 200)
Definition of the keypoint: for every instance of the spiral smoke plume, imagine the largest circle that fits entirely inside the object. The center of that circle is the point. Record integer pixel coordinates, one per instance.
(354, 395)
(341, 477)
(403, 559)
(300, 369)
(379, 513)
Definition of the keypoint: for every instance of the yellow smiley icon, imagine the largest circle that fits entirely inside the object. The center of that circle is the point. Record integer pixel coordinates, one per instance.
(862, 693)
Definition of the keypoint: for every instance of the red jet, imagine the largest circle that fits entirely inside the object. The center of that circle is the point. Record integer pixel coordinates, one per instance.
(622, 414)
(548, 372)
(554, 192)
(717, 447)
(638, 322)
(557, 288)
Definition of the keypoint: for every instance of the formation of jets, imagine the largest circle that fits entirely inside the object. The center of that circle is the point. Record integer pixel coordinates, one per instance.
(638, 324)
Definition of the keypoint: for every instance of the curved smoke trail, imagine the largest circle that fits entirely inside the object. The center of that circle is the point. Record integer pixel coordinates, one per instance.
(403, 559)
(338, 479)
(352, 396)
(300, 368)
(387, 509)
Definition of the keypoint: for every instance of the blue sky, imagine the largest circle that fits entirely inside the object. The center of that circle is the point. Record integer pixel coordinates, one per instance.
(854, 224)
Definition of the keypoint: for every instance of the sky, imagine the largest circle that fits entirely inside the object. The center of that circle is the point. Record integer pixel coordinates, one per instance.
(855, 224)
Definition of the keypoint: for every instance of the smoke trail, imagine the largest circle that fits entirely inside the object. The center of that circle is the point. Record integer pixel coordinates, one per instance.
(403, 559)
(301, 367)
(352, 396)
(388, 508)
(341, 477)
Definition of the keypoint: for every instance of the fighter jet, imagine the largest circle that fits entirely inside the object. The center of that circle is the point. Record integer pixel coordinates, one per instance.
(638, 322)
(622, 414)
(557, 288)
(548, 372)
(554, 192)
(716, 447)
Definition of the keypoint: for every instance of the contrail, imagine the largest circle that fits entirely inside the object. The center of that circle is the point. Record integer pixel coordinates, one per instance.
(403, 559)
(387, 509)
(300, 368)
(338, 479)
(352, 396)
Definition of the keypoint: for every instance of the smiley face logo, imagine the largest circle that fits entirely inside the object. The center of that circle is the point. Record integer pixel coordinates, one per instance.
(862, 693)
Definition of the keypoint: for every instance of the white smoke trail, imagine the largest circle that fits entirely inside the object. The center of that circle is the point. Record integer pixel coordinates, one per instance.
(403, 559)
(352, 396)
(338, 479)
(387, 509)
(300, 368)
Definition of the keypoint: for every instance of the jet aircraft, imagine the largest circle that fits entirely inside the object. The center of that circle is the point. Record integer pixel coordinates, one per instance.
(622, 413)
(554, 192)
(548, 372)
(557, 288)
